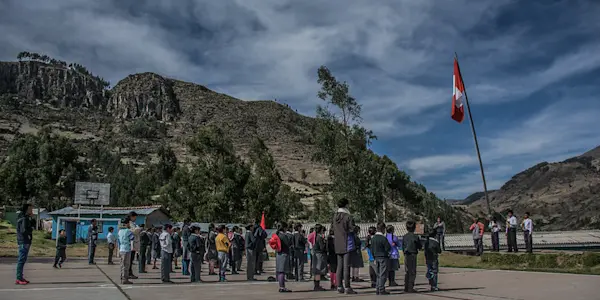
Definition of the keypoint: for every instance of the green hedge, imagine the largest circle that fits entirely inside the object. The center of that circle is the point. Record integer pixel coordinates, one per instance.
(544, 261)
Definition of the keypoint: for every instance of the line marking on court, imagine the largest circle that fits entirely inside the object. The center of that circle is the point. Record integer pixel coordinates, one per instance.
(58, 288)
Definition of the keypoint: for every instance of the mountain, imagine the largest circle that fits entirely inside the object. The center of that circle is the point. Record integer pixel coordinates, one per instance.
(560, 196)
(144, 111)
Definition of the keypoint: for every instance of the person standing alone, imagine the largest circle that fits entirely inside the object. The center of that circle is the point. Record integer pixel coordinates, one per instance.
(440, 232)
(92, 240)
(511, 232)
(25, 224)
(527, 231)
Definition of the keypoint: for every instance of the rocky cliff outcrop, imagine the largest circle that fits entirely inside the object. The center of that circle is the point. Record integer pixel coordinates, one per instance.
(560, 196)
(59, 86)
(144, 95)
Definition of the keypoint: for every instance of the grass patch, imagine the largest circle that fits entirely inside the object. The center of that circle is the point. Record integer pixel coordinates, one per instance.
(42, 244)
(577, 263)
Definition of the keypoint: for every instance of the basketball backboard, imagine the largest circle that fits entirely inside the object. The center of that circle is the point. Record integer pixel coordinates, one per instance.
(92, 193)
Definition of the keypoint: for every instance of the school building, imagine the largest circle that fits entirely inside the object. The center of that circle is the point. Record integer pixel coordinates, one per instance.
(76, 221)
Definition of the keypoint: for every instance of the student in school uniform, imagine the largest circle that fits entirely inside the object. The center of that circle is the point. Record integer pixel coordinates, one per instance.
(292, 253)
(222, 244)
(394, 255)
(372, 274)
(149, 235)
(332, 260)
(356, 258)
(282, 259)
(299, 252)
(144, 245)
(111, 240)
(310, 240)
(411, 244)
(432, 251)
(195, 248)
(511, 232)
(250, 246)
(61, 249)
(494, 227)
(125, 237)
(185, 255)
(237, 248)
(92, 241)
(440, 228)
(156, 246)
(381, 249)
(319, 261)
(527, 232)
(135, 247)
(212, 255)
(177, 251)
(166, 247)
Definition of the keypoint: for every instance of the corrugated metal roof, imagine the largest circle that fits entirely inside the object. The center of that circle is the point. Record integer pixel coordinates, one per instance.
(140, 210)
(541, 239)
(399, 228)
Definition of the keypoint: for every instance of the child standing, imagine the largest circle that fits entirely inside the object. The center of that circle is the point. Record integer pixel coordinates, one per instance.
(332, 260)
(222, 244)
(372, 273)
(282, 260)
(319, 261)
(166, 247)
(61, 249)
(195, 248)
(176, 247)
(156, 246)
(112, 243)
(125, 239)
(211, 249)
(356, 258)
(394, 255)
(381, 253)
(432, 251)
(411, 244)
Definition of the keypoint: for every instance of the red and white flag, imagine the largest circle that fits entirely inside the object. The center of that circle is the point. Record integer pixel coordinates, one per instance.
(458, 109)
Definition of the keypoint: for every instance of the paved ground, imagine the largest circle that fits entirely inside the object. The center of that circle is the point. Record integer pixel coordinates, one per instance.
(77, 280)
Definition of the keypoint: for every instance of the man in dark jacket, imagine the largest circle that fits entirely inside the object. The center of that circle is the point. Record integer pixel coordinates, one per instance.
(343, 230)
(25, 224)
(185, 236)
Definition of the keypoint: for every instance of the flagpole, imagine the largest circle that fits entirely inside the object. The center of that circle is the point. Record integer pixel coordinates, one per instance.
(487, 199)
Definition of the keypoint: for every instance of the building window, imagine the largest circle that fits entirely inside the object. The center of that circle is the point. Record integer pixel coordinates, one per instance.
(100, 226)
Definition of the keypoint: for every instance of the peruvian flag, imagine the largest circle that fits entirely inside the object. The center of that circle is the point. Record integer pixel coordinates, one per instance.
(458, 109)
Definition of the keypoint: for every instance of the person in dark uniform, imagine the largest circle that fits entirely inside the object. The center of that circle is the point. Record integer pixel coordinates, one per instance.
(319, 261)
(61, 249)
(381, 250)
(145, 243)
(196, 248)
(92, 240)
(343, 228)
(331, 259)
(185, 236)
(411, 245)
(356, 258)
(282, 260)
(299, 255)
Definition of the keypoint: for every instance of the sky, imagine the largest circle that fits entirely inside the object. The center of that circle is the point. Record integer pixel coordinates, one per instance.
(531, 68)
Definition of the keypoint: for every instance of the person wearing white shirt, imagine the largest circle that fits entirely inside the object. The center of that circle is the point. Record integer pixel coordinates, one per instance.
(527, 231)
(112, 243)
(166, 246)
(494, 227)
(511, 232)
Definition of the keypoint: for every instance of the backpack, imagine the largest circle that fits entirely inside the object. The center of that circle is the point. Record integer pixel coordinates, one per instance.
(275, 243)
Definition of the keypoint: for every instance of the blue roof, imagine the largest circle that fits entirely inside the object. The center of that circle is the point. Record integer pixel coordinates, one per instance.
(120, 211)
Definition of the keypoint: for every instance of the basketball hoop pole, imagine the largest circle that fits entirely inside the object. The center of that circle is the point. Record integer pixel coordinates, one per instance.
(101, 210)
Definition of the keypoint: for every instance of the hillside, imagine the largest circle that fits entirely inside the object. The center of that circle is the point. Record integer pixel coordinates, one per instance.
(560, 196)
(144, 111)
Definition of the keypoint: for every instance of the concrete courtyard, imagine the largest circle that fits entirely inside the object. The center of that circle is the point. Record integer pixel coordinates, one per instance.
(78, 280)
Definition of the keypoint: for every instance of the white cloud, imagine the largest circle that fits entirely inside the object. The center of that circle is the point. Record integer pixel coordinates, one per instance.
(561, 130)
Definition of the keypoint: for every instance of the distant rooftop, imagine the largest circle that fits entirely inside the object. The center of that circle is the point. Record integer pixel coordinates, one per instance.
(140, 210)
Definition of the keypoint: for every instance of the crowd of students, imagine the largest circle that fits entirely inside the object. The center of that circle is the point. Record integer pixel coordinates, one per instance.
(336, 253)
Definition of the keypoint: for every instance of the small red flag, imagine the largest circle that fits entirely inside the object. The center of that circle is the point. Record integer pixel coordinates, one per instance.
(263, 224)
(458, 110)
